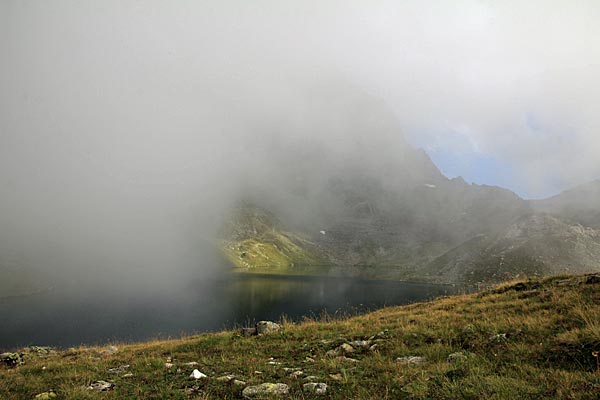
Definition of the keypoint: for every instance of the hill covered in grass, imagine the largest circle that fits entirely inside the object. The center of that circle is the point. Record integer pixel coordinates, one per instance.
(528, 340)
(254, 240)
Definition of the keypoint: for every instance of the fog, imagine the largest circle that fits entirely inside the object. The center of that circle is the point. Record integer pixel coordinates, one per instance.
(128, 128)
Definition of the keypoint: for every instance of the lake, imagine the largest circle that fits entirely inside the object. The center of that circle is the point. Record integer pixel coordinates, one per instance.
(64, 318)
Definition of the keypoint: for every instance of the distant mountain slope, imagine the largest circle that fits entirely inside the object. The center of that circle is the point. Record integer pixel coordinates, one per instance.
(580, 204)
(535, 245)
(254, 239)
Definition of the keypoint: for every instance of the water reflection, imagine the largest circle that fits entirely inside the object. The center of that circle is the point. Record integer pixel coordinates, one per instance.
(66, 318)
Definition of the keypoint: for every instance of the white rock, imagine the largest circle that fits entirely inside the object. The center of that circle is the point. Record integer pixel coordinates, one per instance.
(197, 375)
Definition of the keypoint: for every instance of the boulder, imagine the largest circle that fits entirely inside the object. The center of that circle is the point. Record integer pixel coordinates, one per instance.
(263, 327)
(12, 359)
(265, 390)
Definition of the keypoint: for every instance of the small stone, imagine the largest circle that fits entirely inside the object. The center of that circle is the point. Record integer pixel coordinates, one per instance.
(456, 357)
(237, 382)
(592, 279)
(309, 360)
(191, 364)
(248, 332)
(358, 344)
(346, 359)
(333, 353)
(169, 365)
(226, 378)
(336, 377)
(264, 327)
(311, 378)
(128, 375)
(118, 370)
(258, 372)
(45, 396)
(265, 389)
(296, 374)
(379, 335)
(197, 374)
(412, 360)
(498, 337)
(192, 390)
(109, 350)
(101, 386)
(41, 350)
(346, 348)
(319, 388)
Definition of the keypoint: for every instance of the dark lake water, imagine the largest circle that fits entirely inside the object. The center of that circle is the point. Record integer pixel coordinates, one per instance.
(66, 318)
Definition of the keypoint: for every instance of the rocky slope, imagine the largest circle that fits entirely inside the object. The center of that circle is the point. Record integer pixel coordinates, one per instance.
(580, 205)
(534, 245)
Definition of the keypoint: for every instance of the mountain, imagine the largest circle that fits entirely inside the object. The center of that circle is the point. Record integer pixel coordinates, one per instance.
(370, 205)
(580, 205)
(416, 224)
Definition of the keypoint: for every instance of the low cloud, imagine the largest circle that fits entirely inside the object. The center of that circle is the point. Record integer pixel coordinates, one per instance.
(122, 123)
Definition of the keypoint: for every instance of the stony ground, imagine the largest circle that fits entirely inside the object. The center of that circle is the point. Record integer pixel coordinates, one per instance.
(532, 339)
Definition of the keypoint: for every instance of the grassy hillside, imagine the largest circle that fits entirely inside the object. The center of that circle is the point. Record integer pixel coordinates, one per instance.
(527, 340)
(254, 240)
